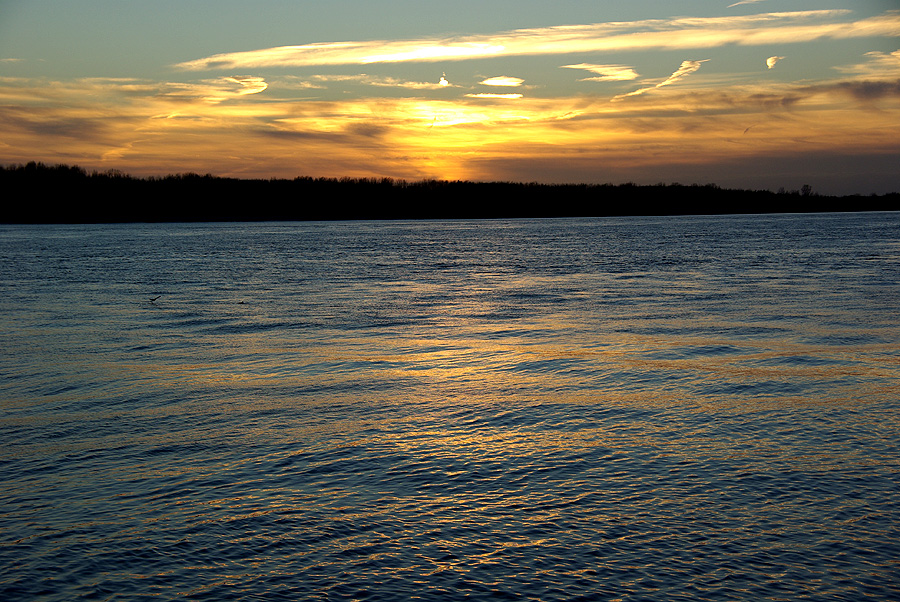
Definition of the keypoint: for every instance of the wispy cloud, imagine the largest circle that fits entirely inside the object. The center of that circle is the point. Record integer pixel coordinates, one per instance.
(218, 90)
(772, 60)
(877, 65)
(686, 68)
(249, 84)
(292, 82)
(345, 53)
(677, 33)
(744, 2)
(383, 82)
(605, 73)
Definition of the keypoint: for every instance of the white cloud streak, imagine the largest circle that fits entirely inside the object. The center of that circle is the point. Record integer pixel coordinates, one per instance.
(503, 80)
(744, 2)
(686, 68)
(668, 34)
(250, 84)
(605, 73)
(383, 82)
(878, 65)
(215, 91)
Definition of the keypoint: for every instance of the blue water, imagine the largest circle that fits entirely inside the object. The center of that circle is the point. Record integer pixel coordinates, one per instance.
(691, 408)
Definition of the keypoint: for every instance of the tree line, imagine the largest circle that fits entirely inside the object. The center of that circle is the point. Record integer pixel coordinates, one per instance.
(40, 193)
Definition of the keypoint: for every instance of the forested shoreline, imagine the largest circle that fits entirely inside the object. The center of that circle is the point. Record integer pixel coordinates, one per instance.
(40, 193)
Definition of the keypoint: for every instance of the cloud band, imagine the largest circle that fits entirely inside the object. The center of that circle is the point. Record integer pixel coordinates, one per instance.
(679, 33)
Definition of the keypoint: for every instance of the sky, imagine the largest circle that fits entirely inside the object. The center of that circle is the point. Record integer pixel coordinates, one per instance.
(760, 94)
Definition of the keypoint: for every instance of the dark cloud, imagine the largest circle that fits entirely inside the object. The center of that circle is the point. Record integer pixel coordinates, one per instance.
(359, 134)
(775, 101)
(871, 90)
(367, 130)
(304, 135)
(45, 123)
(861, 90)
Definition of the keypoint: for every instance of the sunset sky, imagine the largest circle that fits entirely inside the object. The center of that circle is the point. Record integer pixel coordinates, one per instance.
(751, 94)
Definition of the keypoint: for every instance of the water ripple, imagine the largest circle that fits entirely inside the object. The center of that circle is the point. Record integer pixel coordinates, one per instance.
(622, 409)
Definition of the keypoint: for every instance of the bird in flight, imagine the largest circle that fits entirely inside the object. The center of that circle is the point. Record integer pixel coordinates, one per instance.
(152, 299)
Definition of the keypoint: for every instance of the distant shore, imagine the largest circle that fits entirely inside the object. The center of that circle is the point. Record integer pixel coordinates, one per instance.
(40, 193)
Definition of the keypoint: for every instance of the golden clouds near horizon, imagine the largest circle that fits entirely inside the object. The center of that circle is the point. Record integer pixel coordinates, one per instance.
(238, 131)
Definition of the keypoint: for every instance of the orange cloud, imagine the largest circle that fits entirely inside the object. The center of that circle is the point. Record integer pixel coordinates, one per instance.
(237, 126)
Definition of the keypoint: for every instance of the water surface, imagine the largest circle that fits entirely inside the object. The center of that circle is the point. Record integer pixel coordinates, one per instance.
(699, 408)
